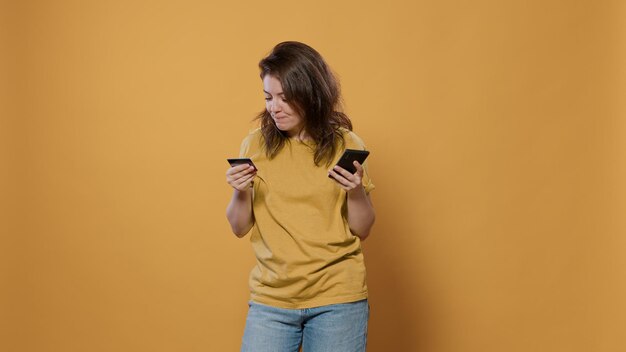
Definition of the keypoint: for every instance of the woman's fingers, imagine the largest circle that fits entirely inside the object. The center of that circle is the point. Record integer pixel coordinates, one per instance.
(243, 182)
(237, 172)
(343, 172)
(359, 168)
(239, 169)
(237, 175)
(354, 178)
(346, 180)
(246, 183)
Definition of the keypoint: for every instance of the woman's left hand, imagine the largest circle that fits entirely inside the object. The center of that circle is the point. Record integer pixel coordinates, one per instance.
(347, 180)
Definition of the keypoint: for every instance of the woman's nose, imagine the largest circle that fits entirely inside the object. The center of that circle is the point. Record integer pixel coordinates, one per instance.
(274, 105)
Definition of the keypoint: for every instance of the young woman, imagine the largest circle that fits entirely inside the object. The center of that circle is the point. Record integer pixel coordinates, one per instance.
(308, 288)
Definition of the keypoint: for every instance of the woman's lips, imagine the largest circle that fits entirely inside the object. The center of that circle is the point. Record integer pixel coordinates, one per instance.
(280, 119)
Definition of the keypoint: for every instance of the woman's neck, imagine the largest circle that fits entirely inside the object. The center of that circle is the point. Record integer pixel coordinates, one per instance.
(301, 136)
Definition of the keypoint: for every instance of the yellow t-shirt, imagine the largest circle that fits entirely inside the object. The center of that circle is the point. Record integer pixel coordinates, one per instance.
(306, 255)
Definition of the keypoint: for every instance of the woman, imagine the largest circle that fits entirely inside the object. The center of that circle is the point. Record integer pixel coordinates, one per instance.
(308, 287)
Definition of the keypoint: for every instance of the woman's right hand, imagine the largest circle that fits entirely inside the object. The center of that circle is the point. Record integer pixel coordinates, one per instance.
(240, 177)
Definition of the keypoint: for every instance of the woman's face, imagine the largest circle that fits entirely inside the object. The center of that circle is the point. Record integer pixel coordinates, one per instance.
(285, 117)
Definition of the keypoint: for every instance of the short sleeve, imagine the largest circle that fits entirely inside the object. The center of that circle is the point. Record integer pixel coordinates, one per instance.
(355, 142)
(367, 181)
(244, 150)
(250, 144)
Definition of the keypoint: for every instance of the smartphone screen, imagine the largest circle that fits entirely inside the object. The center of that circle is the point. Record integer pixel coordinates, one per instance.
(239, 161)
(349, 156)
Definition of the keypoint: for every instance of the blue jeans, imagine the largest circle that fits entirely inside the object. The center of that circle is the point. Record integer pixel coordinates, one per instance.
(336, 328)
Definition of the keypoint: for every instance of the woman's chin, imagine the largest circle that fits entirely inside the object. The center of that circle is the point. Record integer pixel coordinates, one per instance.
(283, 128)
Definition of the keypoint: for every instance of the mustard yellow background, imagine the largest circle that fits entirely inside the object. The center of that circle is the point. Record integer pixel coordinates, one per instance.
(497, 131)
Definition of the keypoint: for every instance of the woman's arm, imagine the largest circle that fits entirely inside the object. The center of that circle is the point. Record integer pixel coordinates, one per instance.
(239, 210)
(361, 215)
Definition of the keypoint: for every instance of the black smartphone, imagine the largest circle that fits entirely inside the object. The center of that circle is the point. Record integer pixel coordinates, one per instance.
(239, 161)
(349, 156)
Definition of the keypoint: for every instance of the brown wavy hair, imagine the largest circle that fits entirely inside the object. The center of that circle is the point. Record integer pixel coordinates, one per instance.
(313, 91)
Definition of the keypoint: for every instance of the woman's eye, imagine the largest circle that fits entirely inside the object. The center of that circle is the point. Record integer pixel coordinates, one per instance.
(268, 98)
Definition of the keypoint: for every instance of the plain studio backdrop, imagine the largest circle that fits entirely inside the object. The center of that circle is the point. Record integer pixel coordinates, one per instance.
(498, 139)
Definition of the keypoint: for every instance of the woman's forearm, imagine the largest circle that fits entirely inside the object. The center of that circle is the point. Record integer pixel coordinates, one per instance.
(361, 215)
(239, 212)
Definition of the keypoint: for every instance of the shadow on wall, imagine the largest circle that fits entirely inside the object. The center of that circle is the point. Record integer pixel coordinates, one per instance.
(401, 317)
